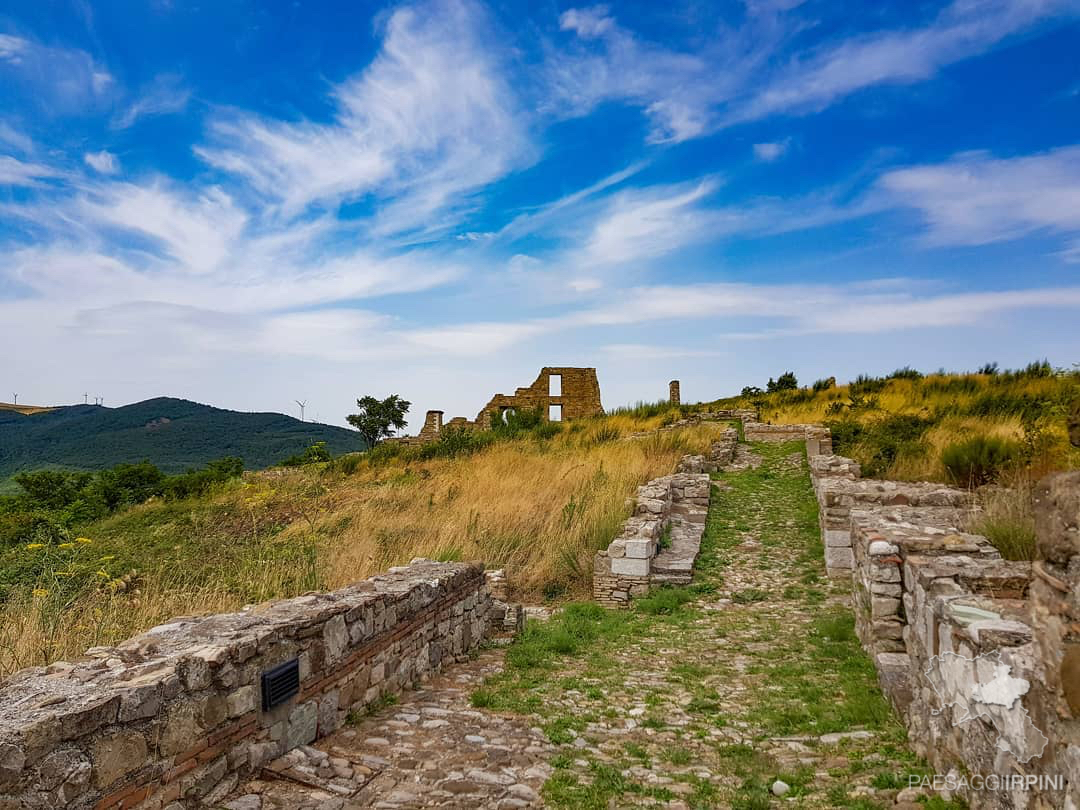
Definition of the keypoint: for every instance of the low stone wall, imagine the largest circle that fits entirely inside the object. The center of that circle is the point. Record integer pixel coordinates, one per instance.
(839, 491)
(1055, 618)
(949, 624)
(721, 453)
(176, 715)
(818, 438)
(658, 544)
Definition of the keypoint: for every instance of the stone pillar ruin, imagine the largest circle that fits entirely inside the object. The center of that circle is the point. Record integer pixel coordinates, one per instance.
(674, 396)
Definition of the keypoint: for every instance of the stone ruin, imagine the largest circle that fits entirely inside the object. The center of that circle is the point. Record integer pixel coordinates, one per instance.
(561, 393)
(178, 716)
(674, 395)
(660, 542)
(942, 614)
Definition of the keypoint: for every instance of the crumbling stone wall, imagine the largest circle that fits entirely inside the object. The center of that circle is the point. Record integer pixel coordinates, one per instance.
(1055, 620)
(669, 511)
(818, 438)
(839, 491)
(579, 395)
(175, 715)
(941, 614)
(674, 395)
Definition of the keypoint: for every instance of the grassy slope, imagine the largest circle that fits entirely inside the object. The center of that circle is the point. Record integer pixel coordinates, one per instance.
(539, 508)
(174, 434)
(760, 648)
(950, 407)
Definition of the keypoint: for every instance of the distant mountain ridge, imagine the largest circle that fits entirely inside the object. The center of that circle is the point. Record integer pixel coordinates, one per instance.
(174, 434)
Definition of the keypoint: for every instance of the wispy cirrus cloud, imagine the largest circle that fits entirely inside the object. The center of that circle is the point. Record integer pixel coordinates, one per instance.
(57, 80)
(431, 121)
(746, 72)
(977, 199)
(165, 95)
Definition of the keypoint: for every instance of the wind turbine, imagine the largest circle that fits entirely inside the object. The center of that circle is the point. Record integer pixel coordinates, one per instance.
(302, 404)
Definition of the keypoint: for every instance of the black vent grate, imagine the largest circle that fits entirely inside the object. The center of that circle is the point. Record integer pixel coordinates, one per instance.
(280, 683)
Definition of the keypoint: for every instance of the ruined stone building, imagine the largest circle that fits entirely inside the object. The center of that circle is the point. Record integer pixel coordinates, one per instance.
(560, 393)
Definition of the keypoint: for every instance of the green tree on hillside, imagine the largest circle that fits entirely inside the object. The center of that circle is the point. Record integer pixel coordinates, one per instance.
(379, 418)
(785, 382)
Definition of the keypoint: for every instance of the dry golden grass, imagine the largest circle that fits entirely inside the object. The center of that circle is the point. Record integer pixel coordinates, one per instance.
(943, 399)
(539, 509)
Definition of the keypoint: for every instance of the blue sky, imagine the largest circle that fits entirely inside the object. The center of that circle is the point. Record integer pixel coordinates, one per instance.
(250, 203)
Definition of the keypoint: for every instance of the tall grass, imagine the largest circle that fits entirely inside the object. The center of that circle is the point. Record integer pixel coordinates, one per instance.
(1006, 518)
(900, 426)
(539, 507)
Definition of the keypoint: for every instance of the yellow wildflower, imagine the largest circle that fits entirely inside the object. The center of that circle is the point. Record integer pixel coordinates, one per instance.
(83, 540)
(40, 592)
(66, 545)
(35, 545)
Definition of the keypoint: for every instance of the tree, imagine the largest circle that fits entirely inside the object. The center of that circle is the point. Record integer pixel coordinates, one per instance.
(785, 382)
(377, 418)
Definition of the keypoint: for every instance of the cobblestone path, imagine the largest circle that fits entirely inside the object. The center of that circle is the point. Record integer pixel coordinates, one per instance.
(704, 697)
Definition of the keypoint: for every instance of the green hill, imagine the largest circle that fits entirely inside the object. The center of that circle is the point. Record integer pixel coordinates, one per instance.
(174, 434)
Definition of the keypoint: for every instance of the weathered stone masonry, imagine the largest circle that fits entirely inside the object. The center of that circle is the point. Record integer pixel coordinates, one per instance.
(672, 508)
(173, 717)
(924, 588)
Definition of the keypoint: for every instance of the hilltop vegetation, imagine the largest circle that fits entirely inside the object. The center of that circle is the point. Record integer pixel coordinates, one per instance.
(988, 425)
(173, 434)
(536, 499)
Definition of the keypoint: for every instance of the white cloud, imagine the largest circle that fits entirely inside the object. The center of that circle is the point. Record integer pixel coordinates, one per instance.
(587, 22)
(769, 152)
(165, 95)
(198, 231)
(429, 122)
(12, 48)
(742, 73)
(976, 199)
(641, 225)
(59, 80)
(14, 172)
(14, 139)
(104, 162)
(963, 29)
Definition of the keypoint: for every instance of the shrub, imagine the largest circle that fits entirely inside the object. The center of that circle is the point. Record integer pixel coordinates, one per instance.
(989, 369)
(315, 454)
(825, 384)
(785, 382)
(906, 373)
(865, 384)
(979, 460)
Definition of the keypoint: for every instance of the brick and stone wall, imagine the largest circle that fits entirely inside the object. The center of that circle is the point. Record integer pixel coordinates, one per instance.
(1055, 619)
(658, 543)
(174, 717)
(942, 614)
(839, 491)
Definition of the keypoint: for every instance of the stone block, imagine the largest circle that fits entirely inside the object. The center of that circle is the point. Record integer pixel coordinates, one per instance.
(335, 639)
(640, 549)
(116, 755)
(838, 538)
(838, 557)
(630, 567)
(1057, 516)
(241, 701)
